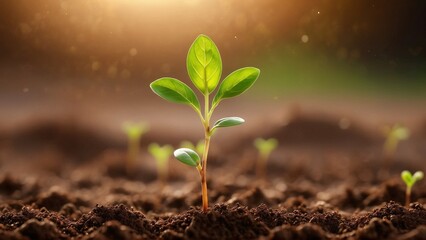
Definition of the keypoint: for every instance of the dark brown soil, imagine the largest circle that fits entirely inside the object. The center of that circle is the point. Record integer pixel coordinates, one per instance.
(62, 181)
(222, 221)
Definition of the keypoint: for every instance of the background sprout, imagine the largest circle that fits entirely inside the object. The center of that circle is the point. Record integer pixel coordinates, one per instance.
(409, 181)
(134, 132)
(265, 147)
(393, 135)
(199, 148)
(204, 66)
(161, 155)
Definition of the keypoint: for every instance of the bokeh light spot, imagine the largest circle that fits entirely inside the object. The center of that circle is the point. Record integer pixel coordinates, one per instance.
(125, 74)
(133, 52)
(25, 28)
(95, 66)
(112, 71)
(344, 123)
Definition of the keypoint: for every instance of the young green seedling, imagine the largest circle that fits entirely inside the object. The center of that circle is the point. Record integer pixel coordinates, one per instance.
(409, 181)
(204, 66)
(161, 155)
(134, 132)
(393, 135)
(265, 147)
(199, 147)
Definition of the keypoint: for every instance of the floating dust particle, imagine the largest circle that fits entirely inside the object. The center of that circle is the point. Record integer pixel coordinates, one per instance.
(112, 71)
(125, 74)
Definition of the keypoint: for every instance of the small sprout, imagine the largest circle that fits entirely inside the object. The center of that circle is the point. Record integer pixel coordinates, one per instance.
(265, 147)
(199, 147)
(204, 66)
(134, 132)
(409, 181)
(393, 135)
(161, 155)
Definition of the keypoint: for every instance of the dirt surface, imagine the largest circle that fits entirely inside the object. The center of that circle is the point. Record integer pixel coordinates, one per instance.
(66, 181)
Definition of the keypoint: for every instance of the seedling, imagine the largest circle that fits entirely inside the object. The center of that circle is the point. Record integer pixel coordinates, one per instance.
(409, 181)
(204, 66)
(393, 135)
(161, 155)
(199, 147)
(134, 132)
(265, 147)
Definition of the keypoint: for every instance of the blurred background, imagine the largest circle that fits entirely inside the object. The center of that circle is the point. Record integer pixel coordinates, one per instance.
(92, 61)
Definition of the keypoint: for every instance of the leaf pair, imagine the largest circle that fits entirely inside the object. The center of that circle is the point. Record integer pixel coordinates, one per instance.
(265, 146)
(410, 179)
(160, 153)
(135, 130)
(204, 67)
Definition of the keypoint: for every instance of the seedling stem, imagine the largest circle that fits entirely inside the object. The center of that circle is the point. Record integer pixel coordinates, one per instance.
(265, 148)
(207, 136)
(134, 132)
(162, 155)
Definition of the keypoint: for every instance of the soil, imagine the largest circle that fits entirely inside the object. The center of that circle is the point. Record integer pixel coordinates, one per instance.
(65, 181)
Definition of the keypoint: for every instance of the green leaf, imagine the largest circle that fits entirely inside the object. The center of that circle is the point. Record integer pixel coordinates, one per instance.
(228, 122)
(418, 176)
(204, 64)
(176, 91)
(236, 83)
(407, 178)
(187, 156)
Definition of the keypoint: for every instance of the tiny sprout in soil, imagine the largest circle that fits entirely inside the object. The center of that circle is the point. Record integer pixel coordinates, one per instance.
(199, 147)
(134, 132)
(264, 147)
(409, 180)
(393, 135)
(161, 155)
(204, 66)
